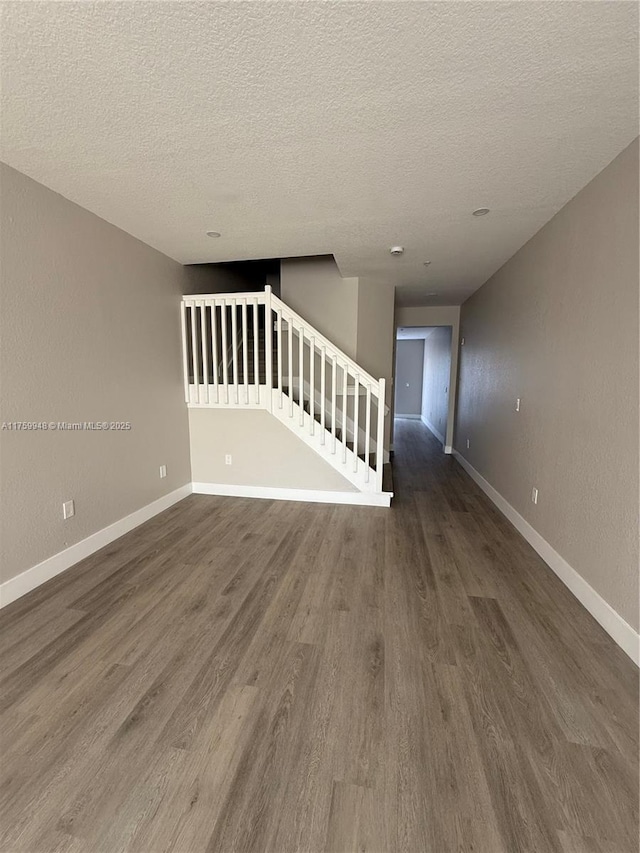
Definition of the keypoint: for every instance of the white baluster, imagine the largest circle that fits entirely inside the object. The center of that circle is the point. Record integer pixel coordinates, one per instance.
(345, 377)
(185, 351)
(334, 395)
(312, 384)
(245, 352)
(194, 350)
(256, 352)
(322, 394)
(367, 434)
(214, 349)
(290, 366)
(279, 354)
(205, 349)
(380, 435)
(225, 354)
(301, 373)
(234, 346)
(268, 343)
(356, 416)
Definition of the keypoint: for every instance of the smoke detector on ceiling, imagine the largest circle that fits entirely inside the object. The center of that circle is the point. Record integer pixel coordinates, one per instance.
(397, 250)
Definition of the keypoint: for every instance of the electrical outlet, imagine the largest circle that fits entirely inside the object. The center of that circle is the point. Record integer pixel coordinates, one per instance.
(534, 495)
(517, 404)
(68, 510)
(163, 472)
(227, 459)
(468, 444)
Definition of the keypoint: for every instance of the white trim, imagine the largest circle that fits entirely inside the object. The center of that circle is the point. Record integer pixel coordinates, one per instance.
(31, 578)
(448, 449)
(437, 434)
(279, 494)
(407, 417)
(619, 630)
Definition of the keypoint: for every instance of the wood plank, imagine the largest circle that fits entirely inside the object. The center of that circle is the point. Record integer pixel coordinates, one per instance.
(273, 676)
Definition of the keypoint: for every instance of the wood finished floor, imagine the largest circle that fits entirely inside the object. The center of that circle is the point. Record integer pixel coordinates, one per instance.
(243, 675)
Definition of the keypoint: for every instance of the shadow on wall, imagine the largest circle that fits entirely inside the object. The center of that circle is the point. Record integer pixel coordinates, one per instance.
(233, 277)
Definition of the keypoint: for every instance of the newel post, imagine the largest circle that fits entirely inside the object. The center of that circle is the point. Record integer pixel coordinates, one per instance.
(268, 345)
(380, 435)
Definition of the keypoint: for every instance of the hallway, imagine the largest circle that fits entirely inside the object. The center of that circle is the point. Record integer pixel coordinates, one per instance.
(252, 675)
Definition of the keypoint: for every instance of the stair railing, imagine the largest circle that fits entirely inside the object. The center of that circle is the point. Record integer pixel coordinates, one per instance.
(319, 384)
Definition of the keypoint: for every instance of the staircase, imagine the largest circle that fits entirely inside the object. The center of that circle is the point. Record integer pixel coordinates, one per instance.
(250, 350)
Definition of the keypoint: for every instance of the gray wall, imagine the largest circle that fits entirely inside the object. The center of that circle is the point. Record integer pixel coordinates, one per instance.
(357, 315)
(375, 338)
(89, 331)
(436, 381)
(409, 362)
(263, 452)
(557, 326)
(315, 289)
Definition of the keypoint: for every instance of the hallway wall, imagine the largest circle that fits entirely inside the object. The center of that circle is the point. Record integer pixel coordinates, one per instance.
(557, 327)
(438, 315)
(408, 382)
(436, 381)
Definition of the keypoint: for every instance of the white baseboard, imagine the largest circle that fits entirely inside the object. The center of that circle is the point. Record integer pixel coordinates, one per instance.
(448, 449)
(309, 495)
(432, 429)
(407, 417)
(31, 578)
(619, 630)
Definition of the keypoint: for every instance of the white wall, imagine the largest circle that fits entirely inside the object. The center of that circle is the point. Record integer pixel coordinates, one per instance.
(89, 331)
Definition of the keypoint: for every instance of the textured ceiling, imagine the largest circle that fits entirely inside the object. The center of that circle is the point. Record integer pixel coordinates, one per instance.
(322, 127)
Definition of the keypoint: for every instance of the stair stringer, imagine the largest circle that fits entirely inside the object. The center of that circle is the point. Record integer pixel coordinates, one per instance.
(321, 441)
(349, 420)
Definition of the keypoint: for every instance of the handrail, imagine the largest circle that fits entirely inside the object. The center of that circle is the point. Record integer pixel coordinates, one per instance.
(225, 297)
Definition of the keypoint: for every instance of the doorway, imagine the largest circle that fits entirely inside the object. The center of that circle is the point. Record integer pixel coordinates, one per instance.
(423, 377)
